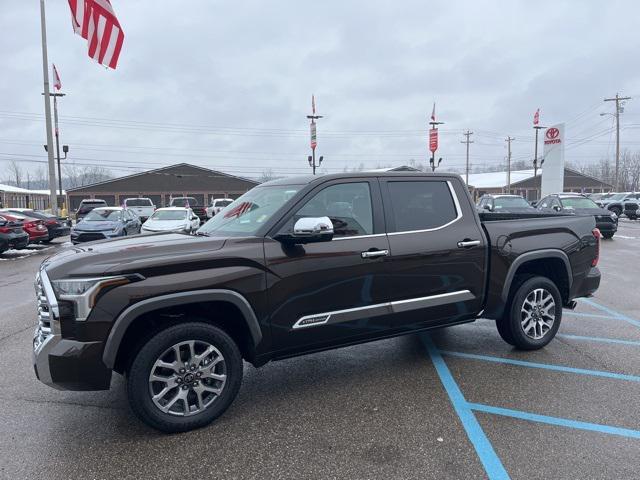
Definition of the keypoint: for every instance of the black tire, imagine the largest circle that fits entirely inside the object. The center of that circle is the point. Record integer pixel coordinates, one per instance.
(137, 382)
(608, 235)
(510, 327)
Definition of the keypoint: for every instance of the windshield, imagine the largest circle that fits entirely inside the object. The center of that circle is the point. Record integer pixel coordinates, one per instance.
(510, 202)
(247, 214)
(138, 202)
(222, 203)
(169, 215)
(578, 202)
(100, 215)
(617, 196)
(182, 202)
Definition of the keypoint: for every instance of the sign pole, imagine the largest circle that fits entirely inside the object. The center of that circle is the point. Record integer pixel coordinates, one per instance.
(314, 138)
(47, 113)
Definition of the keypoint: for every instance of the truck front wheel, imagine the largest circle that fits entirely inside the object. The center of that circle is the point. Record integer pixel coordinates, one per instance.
(184, 377)
(533, 316)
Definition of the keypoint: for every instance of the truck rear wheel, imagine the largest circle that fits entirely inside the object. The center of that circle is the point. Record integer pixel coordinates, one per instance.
(184, 377)
(533, 315)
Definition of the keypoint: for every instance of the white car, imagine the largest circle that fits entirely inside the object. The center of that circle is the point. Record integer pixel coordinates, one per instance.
(171, 219)
(217, 204)
(142, 207)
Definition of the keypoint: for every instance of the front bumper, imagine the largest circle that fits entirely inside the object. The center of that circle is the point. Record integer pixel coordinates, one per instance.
(68, 364)
(607, 227)
(93, 236)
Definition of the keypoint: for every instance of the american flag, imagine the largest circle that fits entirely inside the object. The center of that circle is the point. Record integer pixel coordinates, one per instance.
(96, 22)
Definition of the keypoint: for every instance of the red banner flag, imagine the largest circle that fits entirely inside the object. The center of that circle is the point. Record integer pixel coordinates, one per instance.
(96, 22)
(536, 117)
(57, 83)
(433, 140)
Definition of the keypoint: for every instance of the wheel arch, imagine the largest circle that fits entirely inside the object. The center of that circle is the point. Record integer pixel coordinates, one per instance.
(135, 314)
(551, 263)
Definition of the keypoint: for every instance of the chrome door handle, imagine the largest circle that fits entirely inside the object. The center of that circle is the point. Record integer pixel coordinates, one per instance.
(375, 254)
(468, 243)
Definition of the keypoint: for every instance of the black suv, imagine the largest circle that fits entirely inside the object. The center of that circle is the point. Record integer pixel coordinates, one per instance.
(578, 204)
(296, 266)
(505, 204)
(87, 205)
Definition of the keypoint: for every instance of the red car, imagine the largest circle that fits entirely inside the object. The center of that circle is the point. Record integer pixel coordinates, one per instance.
(36, 229)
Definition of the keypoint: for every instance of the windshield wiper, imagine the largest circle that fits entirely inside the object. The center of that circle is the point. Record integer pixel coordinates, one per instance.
(202, 234)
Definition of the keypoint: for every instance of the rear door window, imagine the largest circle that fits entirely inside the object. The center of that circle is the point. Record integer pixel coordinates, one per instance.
(421, 205)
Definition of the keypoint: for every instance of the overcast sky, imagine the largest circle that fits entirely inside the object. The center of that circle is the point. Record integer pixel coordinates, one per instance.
(227, 85)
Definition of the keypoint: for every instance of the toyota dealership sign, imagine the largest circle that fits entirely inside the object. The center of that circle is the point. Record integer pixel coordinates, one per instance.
(553, 154)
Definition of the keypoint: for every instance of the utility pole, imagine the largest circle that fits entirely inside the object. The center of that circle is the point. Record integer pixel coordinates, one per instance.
(535, 163)
(618, 99)
(314, 139)
(509, 140)
(47, 113)
(467, 141)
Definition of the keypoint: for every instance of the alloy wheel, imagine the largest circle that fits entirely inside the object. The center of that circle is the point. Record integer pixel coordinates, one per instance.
(538, 313)
(187, 378)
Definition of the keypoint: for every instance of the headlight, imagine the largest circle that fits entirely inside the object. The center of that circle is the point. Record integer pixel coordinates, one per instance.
(83, 292)
(613, 215)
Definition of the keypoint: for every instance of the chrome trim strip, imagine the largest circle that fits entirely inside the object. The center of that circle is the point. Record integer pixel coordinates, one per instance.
(360, 236)
(378, 309)
(458, 216)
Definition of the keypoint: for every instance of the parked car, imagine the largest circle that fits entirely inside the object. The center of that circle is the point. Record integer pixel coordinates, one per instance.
(34, 227)
(577, 204)
(12, 235)
(596, 197)
(217, 204)
(505, 204)
(287, 270)
(55, 226)
(87, 205)
(616, 201)
(171, 219)
(105, 222)
(632, 209)
(142, 207)
(192, 203)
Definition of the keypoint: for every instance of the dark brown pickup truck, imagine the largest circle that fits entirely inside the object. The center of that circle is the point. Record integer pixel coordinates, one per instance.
(296, 266)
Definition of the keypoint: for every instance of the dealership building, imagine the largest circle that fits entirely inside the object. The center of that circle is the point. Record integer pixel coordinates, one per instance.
(527, 183)
(162, 184)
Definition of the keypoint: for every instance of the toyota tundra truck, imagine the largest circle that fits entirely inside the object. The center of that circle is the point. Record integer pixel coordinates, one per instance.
(296, 266)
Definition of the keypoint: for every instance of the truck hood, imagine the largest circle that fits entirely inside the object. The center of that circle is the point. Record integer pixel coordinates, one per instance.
(128, 255)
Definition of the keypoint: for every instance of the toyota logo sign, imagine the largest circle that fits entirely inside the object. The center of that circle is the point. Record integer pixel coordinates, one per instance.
(552, 133)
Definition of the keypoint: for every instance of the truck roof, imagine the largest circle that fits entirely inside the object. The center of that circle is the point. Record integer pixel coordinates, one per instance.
(306, 179)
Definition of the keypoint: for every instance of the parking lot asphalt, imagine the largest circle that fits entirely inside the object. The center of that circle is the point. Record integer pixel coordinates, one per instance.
(454, 403)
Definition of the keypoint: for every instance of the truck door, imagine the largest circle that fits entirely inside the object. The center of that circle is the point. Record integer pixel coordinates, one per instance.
(438, 251)
(334, 291)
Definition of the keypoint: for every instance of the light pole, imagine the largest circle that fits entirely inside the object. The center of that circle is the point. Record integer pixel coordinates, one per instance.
(314, 139)
(535, 162)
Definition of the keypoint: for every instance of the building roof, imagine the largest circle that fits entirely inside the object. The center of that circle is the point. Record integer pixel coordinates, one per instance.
(182, 177)
(12, 189)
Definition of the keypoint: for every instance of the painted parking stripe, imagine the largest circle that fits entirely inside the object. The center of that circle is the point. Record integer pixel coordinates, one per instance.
(545, 366)
(588, 315)
(562, 422)
(487, 455)
(634, 343)
(611, 311)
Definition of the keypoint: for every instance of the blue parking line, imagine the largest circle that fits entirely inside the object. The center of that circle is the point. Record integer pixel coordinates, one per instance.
(561, 422)
(587, 315)
(610, 311)
(487, 455)
(634, 343)
(545, 366)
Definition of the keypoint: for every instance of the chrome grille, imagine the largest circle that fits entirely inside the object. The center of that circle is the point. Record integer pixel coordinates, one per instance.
(43, 331)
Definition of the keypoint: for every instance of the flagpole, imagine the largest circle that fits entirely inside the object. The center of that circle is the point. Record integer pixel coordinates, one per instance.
(47, 113)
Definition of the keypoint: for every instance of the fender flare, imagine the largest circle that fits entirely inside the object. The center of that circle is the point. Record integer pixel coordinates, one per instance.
(535, 255)
(127, 317)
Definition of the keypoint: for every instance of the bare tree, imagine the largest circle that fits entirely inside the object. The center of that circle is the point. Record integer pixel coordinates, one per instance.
(267, 174)
(15, 172)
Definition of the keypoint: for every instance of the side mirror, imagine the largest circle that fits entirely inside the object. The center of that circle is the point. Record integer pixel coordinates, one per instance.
(557, 208)
(309, 230)
(487, 207)
(195, 217)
